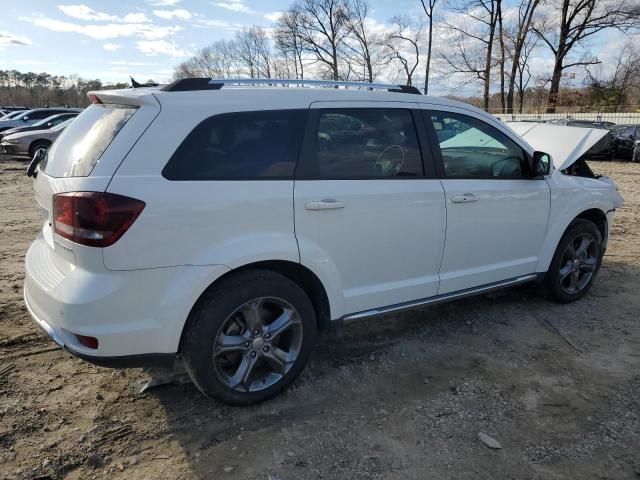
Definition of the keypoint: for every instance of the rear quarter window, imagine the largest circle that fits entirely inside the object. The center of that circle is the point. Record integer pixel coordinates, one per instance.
(240, 146)
(80, 146)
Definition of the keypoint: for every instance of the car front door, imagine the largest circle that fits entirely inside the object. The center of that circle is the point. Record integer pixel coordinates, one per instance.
(369, 219)
(497, 213)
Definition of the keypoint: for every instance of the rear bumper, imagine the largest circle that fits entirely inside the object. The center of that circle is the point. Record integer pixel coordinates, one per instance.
(137, 316)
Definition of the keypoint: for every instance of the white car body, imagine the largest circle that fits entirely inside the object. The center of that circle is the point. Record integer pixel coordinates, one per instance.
(396, 243)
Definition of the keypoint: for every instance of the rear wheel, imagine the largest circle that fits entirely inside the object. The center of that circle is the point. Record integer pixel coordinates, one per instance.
(38, 145)
(575, 262)
(249, 337)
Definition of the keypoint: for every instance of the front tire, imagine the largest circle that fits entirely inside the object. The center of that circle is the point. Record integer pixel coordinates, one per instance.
(575, 263)
(249, 337)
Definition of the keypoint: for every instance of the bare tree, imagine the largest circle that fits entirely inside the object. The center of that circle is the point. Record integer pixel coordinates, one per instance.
(570, 23)
(518, 37)
(619, 86)
(362, 47)
(472, 52)
(323, 28)
(214, 61)
(523, 70)
(288, 41)
(403, 46)
(253, 50)
(428, 6)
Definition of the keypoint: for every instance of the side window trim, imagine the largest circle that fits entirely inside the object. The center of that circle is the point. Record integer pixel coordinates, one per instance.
(307, 168)
(439, 160)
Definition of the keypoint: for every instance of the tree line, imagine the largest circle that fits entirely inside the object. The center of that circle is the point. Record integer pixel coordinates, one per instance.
(31, 89)
(488, 43)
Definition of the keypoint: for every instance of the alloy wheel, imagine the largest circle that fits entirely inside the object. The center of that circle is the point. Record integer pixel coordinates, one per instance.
(257, 344)
(578, 263)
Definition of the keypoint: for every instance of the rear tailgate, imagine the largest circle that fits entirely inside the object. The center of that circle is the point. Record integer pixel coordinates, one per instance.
(84, 158)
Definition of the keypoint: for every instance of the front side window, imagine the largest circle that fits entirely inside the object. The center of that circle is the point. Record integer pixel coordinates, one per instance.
(361, 143)
(472, 148)
(240, 146)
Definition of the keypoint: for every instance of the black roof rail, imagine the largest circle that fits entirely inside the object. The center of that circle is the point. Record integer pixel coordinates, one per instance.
(189, 84)
(192, 84)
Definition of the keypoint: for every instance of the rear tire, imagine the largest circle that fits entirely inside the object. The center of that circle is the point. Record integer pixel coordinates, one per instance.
(249, 337)
(575, 263)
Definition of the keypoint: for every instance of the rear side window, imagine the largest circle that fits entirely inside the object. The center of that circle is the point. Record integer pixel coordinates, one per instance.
(80, 146)
(240, 146)
(364, 143)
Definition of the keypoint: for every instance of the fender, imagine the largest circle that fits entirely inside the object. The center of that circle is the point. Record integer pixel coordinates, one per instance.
(571, 196)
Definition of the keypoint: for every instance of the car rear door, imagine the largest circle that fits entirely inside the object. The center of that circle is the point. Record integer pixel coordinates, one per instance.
(497, 213)
(369, 217)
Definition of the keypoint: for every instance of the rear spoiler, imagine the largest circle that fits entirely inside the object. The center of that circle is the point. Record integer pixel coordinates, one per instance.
(135, 97)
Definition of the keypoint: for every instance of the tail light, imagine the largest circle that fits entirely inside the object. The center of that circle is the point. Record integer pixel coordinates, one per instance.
(92, 218)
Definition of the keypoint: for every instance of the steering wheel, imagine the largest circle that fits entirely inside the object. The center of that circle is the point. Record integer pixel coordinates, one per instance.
(389, 162)
(506, 167)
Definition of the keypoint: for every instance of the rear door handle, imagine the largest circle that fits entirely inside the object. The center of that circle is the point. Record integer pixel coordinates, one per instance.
(464, 198)
(326, 204)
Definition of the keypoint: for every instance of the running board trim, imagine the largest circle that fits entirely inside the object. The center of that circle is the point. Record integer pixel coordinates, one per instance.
(376, 312)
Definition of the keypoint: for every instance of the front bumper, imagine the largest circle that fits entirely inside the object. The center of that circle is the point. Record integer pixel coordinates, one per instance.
(11, 150)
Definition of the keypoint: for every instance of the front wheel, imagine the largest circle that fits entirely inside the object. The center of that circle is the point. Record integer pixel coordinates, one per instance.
(575, 262)
(249, 337)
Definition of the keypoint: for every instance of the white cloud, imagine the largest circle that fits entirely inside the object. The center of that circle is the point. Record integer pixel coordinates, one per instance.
(235, 6)
(210, 23)
(88, 14)
(273, 16)
(82, 12)
(105, 31)
(136, 18)
(112, 47)
(169, 14)
(164, 3)
(155, 47)
(11, 40)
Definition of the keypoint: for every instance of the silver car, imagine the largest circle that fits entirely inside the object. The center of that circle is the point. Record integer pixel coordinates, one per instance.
(24, 145)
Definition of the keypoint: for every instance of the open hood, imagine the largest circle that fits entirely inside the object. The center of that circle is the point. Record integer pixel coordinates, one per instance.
(564, 144)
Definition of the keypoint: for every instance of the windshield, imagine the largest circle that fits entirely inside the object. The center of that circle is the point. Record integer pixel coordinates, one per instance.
(79, 148)
(52, 118)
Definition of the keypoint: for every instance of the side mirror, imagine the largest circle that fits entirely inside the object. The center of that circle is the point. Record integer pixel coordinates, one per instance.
(32, 169)
(541, 164)
(49, 125)
(25, 119)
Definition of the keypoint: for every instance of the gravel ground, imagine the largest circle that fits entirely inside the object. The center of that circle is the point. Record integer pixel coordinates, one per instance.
(401, 397)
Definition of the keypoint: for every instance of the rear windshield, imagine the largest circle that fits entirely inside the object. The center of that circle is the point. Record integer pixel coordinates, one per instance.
(80, 146)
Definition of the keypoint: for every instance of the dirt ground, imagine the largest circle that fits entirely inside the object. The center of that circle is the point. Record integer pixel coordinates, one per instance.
(401, 397)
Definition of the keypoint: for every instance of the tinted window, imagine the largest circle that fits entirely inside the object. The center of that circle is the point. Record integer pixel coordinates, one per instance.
(241, 145)
(365, 143)
(39, 115)
(80, 146)
(472, 148)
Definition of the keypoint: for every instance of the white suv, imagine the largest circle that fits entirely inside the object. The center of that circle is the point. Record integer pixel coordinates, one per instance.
(229, 225)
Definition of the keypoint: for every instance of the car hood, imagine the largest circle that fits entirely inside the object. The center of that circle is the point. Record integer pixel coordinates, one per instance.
(564, 144)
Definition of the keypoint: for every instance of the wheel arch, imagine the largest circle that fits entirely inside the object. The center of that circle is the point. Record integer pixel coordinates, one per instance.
(297, 273)
(594, 214)
(37, 142)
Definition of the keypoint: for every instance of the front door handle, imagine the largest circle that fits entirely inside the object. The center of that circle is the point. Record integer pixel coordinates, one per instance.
(464, 198)
(326, 204)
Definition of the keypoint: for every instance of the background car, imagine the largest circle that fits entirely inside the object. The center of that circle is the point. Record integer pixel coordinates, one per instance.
(45, 124)
(624, 140)
(24, 145)
(32, 116)
(11, 115)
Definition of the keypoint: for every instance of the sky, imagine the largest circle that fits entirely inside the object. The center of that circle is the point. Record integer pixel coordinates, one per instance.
(111, 40)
